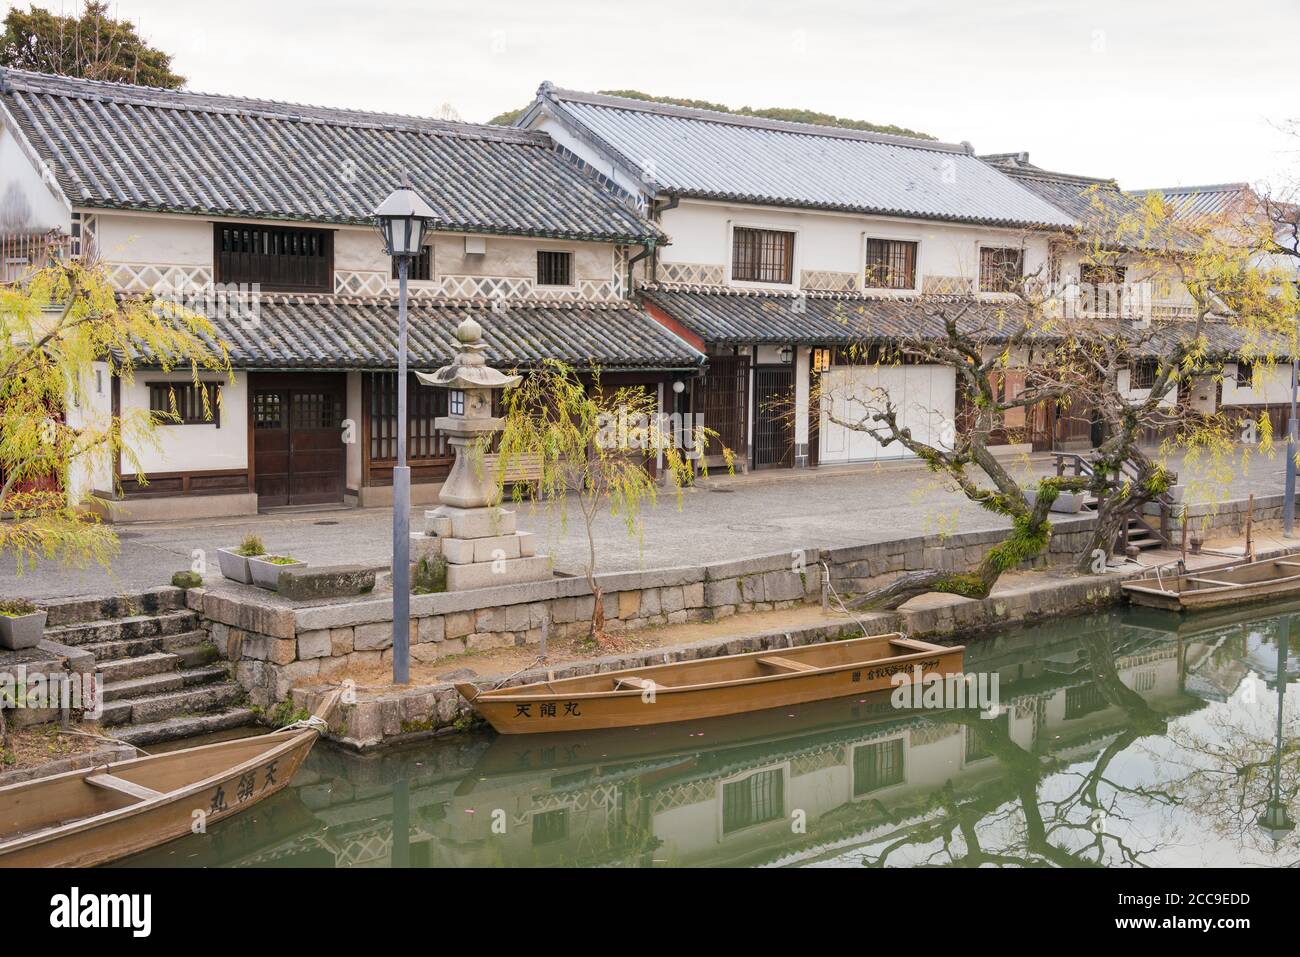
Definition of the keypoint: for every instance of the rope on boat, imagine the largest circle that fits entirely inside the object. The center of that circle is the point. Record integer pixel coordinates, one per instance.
(827, 572)
(311, 721)
(540, 659)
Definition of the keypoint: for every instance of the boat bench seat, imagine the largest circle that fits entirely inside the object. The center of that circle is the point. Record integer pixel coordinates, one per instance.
(641, 684)
(785, 664)
(110, 782)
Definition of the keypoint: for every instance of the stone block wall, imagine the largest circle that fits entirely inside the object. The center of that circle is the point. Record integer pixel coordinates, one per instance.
(275, 645)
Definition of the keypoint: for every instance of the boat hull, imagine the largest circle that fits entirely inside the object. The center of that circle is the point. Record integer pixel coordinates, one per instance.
(1192, 593)
(524, 712)
(120, 832)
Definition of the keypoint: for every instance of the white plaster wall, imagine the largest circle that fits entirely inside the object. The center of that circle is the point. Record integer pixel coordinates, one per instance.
(566, 138)
(1140, 395)
(92, 407)
(1271, 385)
(153, 240)
(30, 200)
(701, 233)
(185, 448)
(924, 395)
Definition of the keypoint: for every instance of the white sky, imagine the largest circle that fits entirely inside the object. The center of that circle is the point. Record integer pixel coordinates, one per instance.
(1152, 93)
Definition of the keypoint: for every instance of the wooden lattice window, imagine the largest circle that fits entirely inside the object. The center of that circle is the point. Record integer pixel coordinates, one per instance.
(421, 267)
(762, 255)
(194, 404)
(1142, 374)
(554, 268)
(423, 406)
(1001, 268)
(1245, 374)
(550, 826)
(877, 765)
(278, 258)
(891, 264)
(753, 800)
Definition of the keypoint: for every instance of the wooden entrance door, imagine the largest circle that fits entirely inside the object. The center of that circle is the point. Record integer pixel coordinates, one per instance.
(773, 417)
(298, 453)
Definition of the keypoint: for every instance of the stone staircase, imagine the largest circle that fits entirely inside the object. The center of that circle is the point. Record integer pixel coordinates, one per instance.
(162, 678)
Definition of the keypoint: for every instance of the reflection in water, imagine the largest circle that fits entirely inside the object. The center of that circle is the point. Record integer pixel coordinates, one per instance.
(1124, 739)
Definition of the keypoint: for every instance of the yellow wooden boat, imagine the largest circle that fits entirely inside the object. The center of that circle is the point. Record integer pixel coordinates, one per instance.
(100, 814)
(710, 687)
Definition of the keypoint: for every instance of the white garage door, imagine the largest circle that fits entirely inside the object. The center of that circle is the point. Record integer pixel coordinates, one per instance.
(925, 397)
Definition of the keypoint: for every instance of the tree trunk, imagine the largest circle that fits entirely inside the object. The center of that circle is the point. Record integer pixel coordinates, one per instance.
(597, 614)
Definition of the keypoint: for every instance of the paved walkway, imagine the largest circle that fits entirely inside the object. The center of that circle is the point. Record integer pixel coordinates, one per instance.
(732, 518)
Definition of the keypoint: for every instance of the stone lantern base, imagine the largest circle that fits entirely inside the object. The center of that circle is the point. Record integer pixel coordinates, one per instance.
(483, 548)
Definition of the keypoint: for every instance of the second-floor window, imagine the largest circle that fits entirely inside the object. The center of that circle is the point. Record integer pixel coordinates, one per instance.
(1001, 268)
(421, 267)
(891, 264)
(279, 258)
(554, 268)
(1142, 374)
(762, 255)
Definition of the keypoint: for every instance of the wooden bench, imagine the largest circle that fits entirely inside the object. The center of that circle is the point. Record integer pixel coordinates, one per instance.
(525, 469)
(785, 664)
(641, 684)
(111, 782)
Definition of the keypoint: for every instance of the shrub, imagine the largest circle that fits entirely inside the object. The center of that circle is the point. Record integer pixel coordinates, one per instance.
(16, 607)
(251, 546)
(187, 579)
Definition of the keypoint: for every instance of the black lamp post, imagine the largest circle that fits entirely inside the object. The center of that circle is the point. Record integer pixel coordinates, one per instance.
(403, 219)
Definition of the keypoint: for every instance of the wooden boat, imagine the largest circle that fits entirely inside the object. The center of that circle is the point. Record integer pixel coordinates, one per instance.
(710, 687)
(99, 814)
(1266, 580)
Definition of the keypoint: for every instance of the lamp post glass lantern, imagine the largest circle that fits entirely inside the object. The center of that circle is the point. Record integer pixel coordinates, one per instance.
(403, 218)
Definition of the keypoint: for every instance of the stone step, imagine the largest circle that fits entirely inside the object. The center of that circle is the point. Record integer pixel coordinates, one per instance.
(159, 707)
(71, 611)
(179, 643)
(152, 684)
(123, 629)
(140, 666)
(171, 729)
(203, 675)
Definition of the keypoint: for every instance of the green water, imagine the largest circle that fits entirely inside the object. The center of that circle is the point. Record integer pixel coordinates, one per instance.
(1125, 739)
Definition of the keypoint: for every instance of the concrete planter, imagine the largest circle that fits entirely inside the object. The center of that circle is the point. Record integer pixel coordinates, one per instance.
(234, 565)
(1068, 503)
(266, 574)
(24, 631)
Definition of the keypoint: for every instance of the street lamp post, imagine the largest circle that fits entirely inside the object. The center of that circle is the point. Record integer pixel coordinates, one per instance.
(403, 219)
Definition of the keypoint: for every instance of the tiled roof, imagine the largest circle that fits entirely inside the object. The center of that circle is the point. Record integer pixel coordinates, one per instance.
(338, 332)
(728, 316)
(1198, 202)
(703, 153)
(119, 146)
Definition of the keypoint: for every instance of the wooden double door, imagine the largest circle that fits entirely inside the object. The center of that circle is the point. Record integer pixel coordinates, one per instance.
(296, 421)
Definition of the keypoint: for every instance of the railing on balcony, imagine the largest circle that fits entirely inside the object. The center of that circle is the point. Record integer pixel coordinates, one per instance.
(23, 253)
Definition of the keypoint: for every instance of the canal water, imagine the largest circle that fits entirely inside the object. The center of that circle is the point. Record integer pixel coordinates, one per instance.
(1128, 738)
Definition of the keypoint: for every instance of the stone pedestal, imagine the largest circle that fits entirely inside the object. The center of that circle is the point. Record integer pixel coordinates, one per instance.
(483, 548)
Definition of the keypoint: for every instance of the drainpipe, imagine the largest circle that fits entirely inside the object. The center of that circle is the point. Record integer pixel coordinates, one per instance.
(657, 214)
(647, 249)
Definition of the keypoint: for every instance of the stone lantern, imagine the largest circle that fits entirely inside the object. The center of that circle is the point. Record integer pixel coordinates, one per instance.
(479, 541)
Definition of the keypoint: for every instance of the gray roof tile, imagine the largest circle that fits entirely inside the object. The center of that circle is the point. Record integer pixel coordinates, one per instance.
(115, 145)
(715, 155)
(337, 332)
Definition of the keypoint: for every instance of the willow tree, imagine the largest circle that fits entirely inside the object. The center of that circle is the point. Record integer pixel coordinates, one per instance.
(54, 325)
(587, 447)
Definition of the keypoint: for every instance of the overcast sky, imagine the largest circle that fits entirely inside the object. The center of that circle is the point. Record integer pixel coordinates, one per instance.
(1151, 93)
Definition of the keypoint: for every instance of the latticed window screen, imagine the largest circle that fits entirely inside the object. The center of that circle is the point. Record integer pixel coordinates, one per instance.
(423, 405)
(891, 264)
(421, 265)
(1001, 268)
(550, 826)
(186, 400)
(762, 255)
(1083, 699)
(877, 765)
(1142, 374)
(758, 798)
(278, 258)
(268, 410)
(316, 410)
(554, 268)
